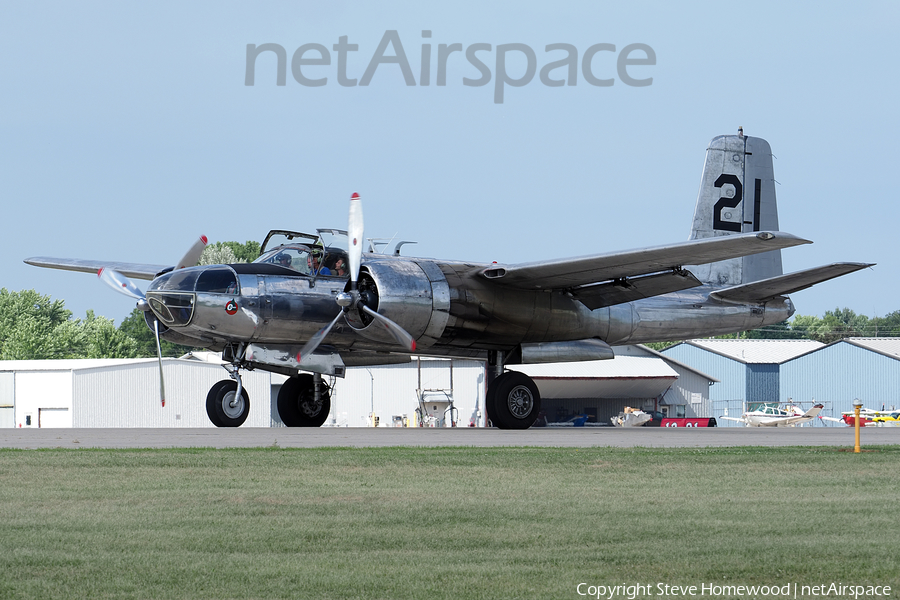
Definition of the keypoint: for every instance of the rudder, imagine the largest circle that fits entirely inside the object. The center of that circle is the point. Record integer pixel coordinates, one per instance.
(737, 195)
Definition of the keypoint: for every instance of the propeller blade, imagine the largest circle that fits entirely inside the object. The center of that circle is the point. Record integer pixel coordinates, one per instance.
(120, 283)
(162, 383)
(400, 334)
(315, 340)
(192, 256)
(355, 233)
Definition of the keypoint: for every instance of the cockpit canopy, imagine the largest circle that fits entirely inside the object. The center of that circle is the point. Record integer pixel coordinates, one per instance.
(326, 256)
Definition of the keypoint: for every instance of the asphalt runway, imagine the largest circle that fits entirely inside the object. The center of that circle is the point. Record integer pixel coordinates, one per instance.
(358, 437)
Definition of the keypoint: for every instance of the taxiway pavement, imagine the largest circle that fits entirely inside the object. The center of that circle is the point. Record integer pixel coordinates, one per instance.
(425, 437)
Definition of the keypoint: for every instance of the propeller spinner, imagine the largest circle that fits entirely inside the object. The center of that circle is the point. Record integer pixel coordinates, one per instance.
(351, 299)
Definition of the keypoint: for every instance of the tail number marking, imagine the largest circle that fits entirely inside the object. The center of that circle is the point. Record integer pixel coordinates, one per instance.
(726, 202)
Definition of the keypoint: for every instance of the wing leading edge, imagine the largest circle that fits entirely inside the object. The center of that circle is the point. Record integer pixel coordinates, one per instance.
(132, 270)
(587, 270)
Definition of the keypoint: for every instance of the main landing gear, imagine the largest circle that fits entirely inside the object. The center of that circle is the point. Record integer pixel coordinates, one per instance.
(304, 400)
(512, 400)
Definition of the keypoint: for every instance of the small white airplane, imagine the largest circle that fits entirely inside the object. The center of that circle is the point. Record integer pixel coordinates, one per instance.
(772, 416)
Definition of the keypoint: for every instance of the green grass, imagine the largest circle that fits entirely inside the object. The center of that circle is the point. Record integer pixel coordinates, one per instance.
(440, 523)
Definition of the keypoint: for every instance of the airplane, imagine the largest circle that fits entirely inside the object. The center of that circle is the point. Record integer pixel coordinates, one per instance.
(871, 417)
(772, 416)
(317, 304)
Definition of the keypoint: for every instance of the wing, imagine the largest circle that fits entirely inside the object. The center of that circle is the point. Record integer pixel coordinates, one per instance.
(733, 419)
(586, 270)
(766, 289)
(132, 270)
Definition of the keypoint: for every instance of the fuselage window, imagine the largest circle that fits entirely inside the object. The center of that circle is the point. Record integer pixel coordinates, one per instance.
(217, 281)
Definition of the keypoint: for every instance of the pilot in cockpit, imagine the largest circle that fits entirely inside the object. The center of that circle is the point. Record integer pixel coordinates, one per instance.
(283, 259)
(314, 269)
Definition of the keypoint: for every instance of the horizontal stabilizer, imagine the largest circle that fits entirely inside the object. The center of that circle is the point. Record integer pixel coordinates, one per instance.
(766, 289)
(131, 270)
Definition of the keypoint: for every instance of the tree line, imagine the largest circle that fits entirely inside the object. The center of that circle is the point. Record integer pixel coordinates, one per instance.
(34, 326)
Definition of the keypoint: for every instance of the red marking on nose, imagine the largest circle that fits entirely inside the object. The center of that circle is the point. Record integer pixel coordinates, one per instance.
(205, 239)
(355, 196)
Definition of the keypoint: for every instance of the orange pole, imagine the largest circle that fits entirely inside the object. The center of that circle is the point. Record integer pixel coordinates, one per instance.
(856, 418)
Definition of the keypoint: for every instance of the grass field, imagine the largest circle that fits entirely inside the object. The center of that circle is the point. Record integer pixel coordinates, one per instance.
(442, 523)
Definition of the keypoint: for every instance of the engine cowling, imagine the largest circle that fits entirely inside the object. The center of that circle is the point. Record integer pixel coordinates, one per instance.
(415, 296)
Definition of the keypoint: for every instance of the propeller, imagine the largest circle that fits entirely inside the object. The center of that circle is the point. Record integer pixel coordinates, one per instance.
(125, 286)
(192, 256)
(351, 299)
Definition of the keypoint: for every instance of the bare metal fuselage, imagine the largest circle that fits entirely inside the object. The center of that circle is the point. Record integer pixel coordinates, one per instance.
(448, 307)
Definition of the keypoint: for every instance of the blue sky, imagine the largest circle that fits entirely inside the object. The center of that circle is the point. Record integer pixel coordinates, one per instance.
(127, 129)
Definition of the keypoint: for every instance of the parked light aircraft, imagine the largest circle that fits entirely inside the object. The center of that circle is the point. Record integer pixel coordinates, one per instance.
(318, 303)
(773, 416)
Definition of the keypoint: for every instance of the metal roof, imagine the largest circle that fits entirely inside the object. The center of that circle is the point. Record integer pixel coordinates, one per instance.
(886, 346)
(758, 351)
(71, 364)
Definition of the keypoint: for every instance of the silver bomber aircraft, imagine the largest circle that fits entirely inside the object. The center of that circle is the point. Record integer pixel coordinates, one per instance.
(317, 304)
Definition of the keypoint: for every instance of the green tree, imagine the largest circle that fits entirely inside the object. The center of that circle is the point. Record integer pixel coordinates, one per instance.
(101, 339)
(778, 331)
(227, 253)
(886, 326)
(30, 311)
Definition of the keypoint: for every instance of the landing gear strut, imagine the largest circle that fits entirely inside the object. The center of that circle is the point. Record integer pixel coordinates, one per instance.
(513, 400)
(228, 403)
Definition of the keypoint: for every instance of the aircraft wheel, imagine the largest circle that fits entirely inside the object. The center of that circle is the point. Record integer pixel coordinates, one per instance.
(489, 404)
(222, 407)
(297, 402)
(515, 400)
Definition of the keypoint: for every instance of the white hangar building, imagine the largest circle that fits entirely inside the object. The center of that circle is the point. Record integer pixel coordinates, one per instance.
(118, 393)
(125, 392)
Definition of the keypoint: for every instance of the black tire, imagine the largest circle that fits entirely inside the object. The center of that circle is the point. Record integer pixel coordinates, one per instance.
(297, 402)
(219, 408)
(515, 399)
(489, 404)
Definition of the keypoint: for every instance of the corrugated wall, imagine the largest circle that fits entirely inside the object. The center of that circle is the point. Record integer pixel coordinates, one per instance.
(7, 400)
(840, 373)
(730, 373)
(689, 387)
(762, 384)
(128, 395)
(391, 391)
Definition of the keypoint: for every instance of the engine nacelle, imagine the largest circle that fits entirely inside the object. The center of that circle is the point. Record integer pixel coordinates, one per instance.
(415, 296)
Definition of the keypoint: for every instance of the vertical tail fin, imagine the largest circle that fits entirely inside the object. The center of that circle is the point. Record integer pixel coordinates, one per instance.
(737, 194)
